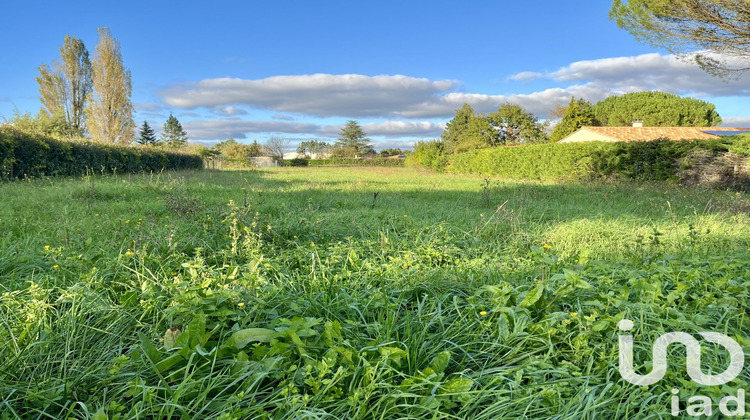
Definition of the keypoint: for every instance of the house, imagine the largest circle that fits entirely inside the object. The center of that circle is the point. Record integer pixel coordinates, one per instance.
(640, 133)
(263, 161)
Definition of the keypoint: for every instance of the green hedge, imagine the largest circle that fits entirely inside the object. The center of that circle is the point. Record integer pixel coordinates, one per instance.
(741, 145)
(540, 161)
(653, 160)
(23, 155)
(347, 162)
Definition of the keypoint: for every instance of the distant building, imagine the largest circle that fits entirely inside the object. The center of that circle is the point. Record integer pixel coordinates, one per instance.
(263, 161)
(295, 155)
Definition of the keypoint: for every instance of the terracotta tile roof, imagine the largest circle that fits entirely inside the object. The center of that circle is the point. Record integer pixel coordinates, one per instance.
(653, 133)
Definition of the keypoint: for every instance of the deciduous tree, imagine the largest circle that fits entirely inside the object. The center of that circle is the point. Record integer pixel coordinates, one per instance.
(110, 111)
(516, 125)
(458, 125)
(276, 146)
(684, 26)
(316, 147)
(233, 150)
(66, 85)
(578, 113)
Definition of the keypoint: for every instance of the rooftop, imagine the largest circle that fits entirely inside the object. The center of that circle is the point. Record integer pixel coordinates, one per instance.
(674, 133)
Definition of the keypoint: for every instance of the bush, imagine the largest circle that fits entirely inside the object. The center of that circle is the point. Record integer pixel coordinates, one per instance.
(739, 145)
(298, 162)
(24, 155)
(428, 154)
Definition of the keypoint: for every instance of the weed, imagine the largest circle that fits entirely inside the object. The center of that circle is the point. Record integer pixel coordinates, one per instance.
(294, 299)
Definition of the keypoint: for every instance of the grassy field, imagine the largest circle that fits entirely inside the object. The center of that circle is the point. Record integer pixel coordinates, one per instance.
(358, 293)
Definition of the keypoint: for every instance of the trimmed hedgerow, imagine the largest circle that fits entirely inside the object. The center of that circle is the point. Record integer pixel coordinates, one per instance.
(24, 155)
(653, 160)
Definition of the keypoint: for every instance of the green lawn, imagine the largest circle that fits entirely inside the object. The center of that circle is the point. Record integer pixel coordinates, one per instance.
(358, 293)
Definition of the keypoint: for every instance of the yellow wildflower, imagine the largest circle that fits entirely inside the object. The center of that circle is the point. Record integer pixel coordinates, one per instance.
(547, 246)
(55, 266)
(574, 314)
(483, 313)
(46, 247)
(241, 304)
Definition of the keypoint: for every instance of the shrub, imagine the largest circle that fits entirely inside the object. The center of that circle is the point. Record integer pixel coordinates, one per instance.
(298, 162)
(428, 154)
(24, 155)
(739, 145)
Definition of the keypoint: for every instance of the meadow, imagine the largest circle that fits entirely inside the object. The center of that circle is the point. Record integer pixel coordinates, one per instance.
(363, 293)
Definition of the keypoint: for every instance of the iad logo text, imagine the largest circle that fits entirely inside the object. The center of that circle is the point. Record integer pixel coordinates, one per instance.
(697, 405)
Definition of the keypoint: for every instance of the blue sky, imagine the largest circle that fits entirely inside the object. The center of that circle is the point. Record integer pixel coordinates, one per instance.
(300, 69)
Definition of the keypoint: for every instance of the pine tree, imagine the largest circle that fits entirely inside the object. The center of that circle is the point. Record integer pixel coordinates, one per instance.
(353, 140)
(146, 135)
(174, 135)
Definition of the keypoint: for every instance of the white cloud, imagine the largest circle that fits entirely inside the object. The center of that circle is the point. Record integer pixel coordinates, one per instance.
(351, 95)
(538, 103)
(147, 106)
(667, 73)
(229, 111)
(404, 129)
(223, 129)
(526, 76)
(404, 97)
(743, 122)
(239, 129)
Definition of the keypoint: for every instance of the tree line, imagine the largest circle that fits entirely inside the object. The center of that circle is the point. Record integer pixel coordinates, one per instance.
(512, 124)
(351, 143)
(89, 97)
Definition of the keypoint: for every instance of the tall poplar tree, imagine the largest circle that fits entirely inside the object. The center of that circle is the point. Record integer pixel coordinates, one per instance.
(64, 87)
(110, 111)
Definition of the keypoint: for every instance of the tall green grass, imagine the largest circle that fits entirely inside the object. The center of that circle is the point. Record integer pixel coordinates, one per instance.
(356, 293)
